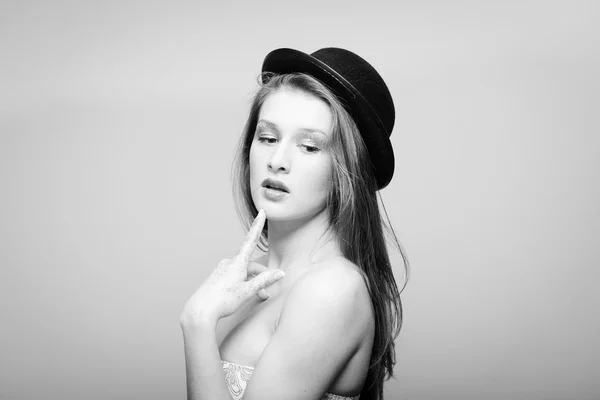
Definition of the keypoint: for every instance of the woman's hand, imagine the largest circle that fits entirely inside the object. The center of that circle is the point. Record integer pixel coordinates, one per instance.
(228, 287)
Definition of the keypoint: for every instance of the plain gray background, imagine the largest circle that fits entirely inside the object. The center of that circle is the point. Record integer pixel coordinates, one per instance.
(118, 124)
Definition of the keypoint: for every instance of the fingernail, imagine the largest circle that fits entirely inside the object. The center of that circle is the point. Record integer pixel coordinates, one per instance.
(279, 274)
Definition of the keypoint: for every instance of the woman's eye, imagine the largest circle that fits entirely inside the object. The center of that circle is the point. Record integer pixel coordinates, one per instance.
(311, 149)
(267, 139)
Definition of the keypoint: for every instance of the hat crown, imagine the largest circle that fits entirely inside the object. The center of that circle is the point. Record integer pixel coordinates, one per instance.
(363, 76)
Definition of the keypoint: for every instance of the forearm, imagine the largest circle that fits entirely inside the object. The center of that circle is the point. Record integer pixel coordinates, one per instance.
(204, 372)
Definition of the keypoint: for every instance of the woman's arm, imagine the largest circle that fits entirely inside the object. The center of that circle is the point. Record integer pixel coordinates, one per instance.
(327, 316)
(204, 373)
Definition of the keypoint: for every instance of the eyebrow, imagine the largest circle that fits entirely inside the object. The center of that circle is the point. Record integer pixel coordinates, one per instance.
(262, 123)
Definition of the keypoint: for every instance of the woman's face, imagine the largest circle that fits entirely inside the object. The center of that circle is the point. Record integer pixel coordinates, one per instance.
(290, 156)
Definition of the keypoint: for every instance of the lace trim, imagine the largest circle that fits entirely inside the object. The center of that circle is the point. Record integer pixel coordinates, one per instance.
(237, 377)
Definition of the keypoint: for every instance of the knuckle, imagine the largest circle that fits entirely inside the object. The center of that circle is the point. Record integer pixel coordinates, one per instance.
(265, 281)
(256, 284)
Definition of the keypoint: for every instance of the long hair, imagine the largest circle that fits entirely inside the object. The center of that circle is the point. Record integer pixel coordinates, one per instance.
(354, 215)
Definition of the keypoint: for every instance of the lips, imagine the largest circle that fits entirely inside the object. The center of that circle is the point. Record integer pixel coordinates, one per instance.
(276, 185)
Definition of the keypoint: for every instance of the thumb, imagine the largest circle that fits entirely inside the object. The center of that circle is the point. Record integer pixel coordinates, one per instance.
(264, 280)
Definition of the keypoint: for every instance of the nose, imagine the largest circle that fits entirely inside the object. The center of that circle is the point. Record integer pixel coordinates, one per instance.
(279, 159)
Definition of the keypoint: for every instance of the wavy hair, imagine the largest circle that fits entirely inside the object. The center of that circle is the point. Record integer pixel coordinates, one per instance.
(354, 214)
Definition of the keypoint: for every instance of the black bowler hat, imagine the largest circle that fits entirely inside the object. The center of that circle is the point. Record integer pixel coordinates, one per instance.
(360, 88)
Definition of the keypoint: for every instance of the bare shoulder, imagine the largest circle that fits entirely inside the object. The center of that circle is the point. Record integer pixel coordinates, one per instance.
(334, 289)
(333, 277)
(324, 335)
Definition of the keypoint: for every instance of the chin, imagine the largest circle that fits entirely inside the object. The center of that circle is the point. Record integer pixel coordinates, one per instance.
(274, 211)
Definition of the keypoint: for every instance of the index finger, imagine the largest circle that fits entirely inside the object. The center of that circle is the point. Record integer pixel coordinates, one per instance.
(252, 237)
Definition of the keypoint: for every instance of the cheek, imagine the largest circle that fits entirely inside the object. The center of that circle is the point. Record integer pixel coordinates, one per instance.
(253, 160)
(321, 179)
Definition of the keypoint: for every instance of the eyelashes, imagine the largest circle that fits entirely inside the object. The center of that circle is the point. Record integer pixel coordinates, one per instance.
(308, 148)
(311, 149)
(266, 139)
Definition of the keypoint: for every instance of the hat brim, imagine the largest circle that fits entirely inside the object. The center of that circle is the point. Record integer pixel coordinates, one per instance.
(373, 132)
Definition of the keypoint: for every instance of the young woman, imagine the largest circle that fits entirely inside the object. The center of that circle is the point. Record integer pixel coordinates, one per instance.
(316, 316)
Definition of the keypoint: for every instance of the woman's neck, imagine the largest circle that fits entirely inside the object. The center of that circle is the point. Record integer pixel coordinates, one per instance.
(300, 242)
